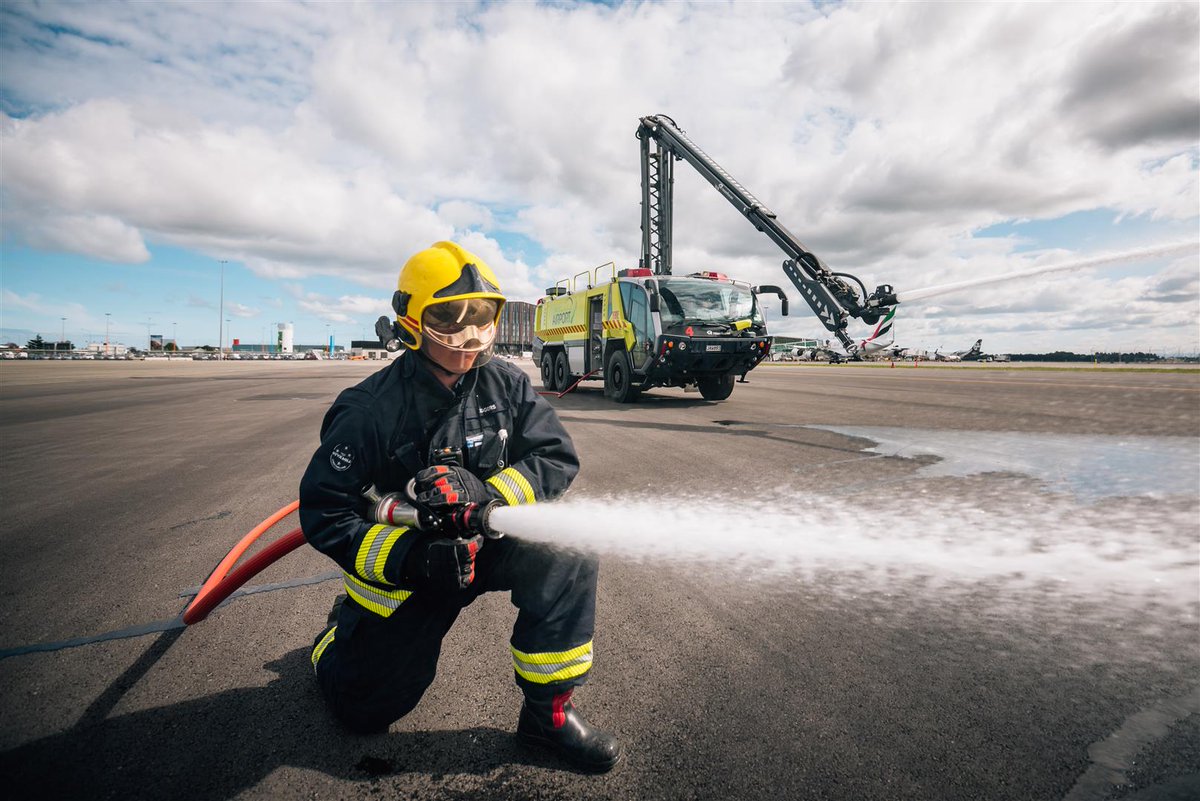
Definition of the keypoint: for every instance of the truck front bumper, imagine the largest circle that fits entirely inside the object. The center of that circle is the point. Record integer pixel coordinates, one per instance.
(682, 360)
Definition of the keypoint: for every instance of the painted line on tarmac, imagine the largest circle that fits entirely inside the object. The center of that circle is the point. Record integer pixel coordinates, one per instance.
(1064, 384)
(190, 592)
(75, 642)
(157, 626)
(1114, 756)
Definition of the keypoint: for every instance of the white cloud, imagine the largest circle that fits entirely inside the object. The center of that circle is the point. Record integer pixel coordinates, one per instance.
(12, 299)
(241, 310)
(199, 302)
(317, 140)
(46, 314)
(99, 236)
(347, 309)
(464, 215)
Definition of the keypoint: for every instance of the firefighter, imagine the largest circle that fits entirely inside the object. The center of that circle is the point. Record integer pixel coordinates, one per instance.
(469, 430)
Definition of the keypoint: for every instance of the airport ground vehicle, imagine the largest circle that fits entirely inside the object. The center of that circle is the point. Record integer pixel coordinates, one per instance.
(636, 330)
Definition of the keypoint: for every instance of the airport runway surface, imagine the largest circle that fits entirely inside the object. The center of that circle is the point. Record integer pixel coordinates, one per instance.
(842, 583)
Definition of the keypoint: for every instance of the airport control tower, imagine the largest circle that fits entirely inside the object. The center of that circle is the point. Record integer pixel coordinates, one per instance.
(286, 338)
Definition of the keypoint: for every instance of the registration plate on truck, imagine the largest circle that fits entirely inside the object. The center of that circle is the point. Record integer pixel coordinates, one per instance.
(712, 347)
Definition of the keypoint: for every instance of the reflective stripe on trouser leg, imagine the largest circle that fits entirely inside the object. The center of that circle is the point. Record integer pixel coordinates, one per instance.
(321, 645)
(555, 591)
(553, 666)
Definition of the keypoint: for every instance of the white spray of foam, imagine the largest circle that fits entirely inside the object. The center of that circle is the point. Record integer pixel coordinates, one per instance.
(1105, 260)
(1136, 553)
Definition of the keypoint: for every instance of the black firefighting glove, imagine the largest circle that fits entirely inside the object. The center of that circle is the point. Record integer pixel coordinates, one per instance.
(441, 563)
(443, 486)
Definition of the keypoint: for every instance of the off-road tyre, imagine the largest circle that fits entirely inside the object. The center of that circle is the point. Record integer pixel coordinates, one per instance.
(548, 371)
(618, 378)
(562, 372)
(716, 389)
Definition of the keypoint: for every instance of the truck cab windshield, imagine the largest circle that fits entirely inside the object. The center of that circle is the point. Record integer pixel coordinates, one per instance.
(701, 301)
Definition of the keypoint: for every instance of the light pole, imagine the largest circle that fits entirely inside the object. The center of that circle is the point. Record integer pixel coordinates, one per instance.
(107, 317)
(221, 316)
(63, 337)
(230, 337)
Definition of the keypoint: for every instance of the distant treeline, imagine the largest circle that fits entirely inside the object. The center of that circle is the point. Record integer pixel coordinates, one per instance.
(1066, 356)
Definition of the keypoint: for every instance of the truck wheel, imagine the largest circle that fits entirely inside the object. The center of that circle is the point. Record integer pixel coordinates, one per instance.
(548, 371)
(562, 372)
(715, 389)
(618, 378)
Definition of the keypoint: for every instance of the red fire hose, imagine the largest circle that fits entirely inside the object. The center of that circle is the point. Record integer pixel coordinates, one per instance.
(568, 389)
(222, 583)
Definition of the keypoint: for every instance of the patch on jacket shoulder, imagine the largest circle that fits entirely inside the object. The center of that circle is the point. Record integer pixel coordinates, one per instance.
(341, 458)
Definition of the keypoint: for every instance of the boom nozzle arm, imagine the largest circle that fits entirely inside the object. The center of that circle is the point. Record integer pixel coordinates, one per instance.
(834, 300)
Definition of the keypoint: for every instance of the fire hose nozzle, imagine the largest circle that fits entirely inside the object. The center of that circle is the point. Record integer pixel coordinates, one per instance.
(475, 519)
(395, 509)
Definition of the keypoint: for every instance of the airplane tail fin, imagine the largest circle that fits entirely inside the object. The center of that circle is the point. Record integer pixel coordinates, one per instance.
(881, 337)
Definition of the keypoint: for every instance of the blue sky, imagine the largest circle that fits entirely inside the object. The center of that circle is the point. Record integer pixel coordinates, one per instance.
(313, 147)
(176, 293)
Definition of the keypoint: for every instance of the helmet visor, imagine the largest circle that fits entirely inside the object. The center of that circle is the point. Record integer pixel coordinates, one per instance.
(465, 325)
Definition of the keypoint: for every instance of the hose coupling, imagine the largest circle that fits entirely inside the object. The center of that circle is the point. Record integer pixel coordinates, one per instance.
(475, 518)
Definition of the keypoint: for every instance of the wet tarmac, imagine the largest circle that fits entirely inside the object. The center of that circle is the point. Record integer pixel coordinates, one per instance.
(726, 677)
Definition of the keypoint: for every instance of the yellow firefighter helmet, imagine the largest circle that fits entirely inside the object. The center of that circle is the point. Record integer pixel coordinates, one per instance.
(449, 294)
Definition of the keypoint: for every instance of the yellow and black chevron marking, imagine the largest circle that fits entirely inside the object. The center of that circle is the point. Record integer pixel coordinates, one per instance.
(564, 329)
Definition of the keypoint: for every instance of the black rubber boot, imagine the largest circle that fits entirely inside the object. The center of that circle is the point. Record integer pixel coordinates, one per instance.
(559, 726)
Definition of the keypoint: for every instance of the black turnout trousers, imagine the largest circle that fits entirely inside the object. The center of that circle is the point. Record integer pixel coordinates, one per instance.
(375, 669)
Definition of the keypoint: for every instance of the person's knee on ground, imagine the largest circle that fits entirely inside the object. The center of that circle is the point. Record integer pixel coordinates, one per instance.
(361, 706)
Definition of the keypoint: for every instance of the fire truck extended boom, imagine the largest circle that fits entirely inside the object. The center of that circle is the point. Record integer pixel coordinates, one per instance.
(832, 299)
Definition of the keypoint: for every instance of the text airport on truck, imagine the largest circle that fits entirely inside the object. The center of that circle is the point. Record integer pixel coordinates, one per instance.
(636, 330)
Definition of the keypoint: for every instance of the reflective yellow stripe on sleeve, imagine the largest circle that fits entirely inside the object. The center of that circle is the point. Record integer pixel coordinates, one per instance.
(381, 602)
(374, 550)
(515, 488)
(321, 646)
(544, 668)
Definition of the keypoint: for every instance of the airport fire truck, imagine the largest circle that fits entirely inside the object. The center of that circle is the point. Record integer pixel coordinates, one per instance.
(635, 330)
(642, 328)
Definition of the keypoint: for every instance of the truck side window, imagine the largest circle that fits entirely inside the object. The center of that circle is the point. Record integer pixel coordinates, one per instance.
(637, 312)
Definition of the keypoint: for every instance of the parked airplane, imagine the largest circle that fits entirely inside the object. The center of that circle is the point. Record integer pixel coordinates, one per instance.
(892, 351)
(973, 353)
(821, 353)
(938, 356)
(881, 345)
